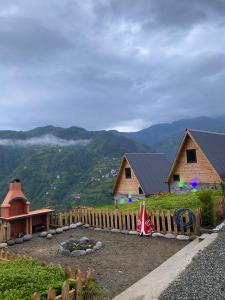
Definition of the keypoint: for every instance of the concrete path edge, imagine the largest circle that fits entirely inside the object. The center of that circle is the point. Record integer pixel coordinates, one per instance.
(152, 285)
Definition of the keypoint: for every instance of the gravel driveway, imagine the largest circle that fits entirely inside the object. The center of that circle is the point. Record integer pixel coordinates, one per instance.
(204, 278)
(122, 261)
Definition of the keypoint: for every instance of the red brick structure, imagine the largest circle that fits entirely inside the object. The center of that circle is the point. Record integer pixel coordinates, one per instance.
(15, 210)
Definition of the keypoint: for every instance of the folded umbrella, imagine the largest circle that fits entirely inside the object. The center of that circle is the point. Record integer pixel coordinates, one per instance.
(144, 226)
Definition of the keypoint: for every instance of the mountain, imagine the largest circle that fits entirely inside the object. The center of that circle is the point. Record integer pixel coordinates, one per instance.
(166, 137)
(62, 167)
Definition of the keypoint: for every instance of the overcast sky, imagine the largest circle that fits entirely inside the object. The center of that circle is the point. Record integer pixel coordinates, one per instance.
(101, 64)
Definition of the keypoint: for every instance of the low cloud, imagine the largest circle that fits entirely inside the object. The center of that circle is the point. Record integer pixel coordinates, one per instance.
(45, 140)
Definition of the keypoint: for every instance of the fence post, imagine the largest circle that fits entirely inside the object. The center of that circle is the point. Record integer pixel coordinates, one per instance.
(36, 296)
(51, 294)
(65, 291)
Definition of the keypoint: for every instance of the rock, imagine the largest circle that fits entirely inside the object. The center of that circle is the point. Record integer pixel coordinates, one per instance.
(124, 231)
(182, 237)
(170, 236)
(27, 237)
(89, 251)
(73, 226)
(115, 230)
(97, 246)
(106, 229)
(64, 251)
(98, 229)
(133, 232)
(11, 242)
(52, 231)
(83, 240)
(43, 234)
(59, 230)
(65, 228)
(157, 234)
(78, 253)
(19, 240)
(3, 245)
(86, 226)
(79, 224)
(49, 236)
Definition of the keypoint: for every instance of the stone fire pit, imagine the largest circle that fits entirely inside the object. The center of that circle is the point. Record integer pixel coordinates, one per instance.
(79, 247)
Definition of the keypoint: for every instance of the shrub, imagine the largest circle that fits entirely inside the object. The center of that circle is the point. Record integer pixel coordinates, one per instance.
(92, 291)
(222, 185)
(20, 278)
(207, 204)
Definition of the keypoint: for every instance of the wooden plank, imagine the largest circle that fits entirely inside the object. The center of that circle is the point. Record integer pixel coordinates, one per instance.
(107, 219)
(120, 220)
(89, 217)
(168, 215)
(158, 229)
(51, 294)
(132, 221)
(65, 291)
(152, 214)
(103, 217)
(36, 296)
(174, 223)
(116, 218)
(163, 221)
(100, 219)
(96, 219)
(86, 216)
(128, 219)
(136, 217)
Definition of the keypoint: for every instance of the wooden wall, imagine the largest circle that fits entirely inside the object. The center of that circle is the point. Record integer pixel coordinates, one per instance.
(127, 185)
(202, 169)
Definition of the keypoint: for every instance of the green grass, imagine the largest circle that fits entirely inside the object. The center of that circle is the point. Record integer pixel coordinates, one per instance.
(165, 202)
(20, 278)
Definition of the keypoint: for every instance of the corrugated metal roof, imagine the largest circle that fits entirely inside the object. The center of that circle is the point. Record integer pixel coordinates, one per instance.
(213, 146)
(151, 170)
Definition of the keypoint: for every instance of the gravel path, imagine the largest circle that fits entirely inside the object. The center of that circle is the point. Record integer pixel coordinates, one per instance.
(204, 278)
(122, 261)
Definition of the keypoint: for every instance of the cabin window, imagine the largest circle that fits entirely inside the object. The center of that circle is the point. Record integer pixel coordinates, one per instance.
(127, 172)
(176, 177)
(140, 190)
(191, 156)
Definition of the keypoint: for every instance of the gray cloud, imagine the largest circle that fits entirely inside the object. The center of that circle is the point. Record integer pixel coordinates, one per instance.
(110, 64)
(45, 140)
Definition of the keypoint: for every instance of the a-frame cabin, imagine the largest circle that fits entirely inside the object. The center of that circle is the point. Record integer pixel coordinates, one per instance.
(141, 175)
(199, 163)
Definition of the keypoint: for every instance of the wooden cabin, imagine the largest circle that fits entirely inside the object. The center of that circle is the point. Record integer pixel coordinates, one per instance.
(16, 215)
(141, 175)
(199, 163)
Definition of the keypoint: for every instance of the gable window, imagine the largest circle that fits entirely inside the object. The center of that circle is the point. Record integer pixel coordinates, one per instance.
(127, 172)
(140, 190)
(191, 156)
(176, 177)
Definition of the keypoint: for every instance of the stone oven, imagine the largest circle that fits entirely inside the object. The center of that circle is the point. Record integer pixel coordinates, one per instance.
(16, 215)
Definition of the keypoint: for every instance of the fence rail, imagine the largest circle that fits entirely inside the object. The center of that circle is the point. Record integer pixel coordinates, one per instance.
(163, 221)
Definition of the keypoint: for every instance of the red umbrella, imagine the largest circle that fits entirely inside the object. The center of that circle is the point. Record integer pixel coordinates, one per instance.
(145, 226)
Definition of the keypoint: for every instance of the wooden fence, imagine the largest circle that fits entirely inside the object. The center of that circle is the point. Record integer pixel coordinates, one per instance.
(163, 221)
(77, 293)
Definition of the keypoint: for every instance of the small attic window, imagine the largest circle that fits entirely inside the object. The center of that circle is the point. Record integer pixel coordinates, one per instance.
(128, 172)
(191, 156)
(140, 191)
(176, 177)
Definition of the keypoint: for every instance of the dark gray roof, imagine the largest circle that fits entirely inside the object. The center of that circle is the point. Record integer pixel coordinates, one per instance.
(151, 170)
(213, 146)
